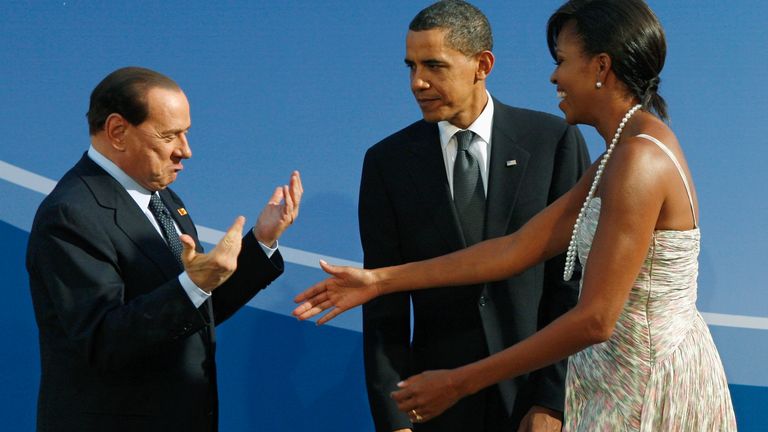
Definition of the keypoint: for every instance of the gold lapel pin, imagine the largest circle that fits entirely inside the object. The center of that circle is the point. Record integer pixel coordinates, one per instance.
(182, 211)
(512, 162)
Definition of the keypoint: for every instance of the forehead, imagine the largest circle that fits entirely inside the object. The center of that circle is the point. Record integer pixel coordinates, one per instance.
(568, 39)
(428, 42)
(168, 107)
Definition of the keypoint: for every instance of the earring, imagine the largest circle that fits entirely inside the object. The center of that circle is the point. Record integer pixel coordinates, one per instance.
(598, 85)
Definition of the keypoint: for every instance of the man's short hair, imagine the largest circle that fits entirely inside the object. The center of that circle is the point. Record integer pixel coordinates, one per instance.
(467, 29)
(124, 92)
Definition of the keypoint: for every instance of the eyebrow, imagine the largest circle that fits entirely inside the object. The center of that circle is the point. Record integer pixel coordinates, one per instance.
(430, 62)
(175, 131)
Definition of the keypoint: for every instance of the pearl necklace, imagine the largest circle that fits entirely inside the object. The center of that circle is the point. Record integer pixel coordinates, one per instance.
(570, 257)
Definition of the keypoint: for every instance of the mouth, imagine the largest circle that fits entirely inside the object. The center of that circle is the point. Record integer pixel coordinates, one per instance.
(425, 102)
(561, 94)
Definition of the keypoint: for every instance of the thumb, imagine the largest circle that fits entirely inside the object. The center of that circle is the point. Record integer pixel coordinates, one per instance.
(231, 242)
(329, 268)
(188, 254)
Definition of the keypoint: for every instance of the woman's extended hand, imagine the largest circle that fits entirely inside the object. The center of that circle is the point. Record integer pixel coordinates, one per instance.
(348, 287)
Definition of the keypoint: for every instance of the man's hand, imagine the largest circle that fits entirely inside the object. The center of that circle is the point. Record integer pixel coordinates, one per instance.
(210, 270)
(540, 419)
(281, 210)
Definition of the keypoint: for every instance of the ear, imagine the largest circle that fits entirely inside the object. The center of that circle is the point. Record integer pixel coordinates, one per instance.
(485, 61)
(603, 64)
(115, 128)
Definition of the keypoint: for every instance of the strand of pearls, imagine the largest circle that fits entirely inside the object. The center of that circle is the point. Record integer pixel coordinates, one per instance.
(570, 257)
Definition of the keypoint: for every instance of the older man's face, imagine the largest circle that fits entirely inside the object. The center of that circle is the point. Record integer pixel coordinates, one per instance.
(156, 147)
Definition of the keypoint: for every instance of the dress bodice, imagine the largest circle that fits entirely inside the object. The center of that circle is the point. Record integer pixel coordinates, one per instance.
(662, 301)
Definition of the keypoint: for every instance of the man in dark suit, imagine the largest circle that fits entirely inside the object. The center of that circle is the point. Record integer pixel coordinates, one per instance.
(413, 206)
(125, 300)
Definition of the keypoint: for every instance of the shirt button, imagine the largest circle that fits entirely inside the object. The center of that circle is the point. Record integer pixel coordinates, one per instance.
(482, 302)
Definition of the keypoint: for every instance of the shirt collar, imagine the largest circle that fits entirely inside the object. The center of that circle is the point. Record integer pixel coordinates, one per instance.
(135, 190)
(481, 126)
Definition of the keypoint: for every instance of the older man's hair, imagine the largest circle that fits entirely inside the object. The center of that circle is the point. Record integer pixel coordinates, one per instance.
(124, 92)
(467, 29)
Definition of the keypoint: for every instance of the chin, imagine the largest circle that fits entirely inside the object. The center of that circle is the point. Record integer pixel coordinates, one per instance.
(569, 116)
(432, 117)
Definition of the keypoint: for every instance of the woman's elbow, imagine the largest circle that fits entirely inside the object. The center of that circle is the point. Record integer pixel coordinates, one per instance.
(598, 327)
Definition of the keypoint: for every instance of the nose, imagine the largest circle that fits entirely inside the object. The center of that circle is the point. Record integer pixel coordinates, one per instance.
(418, 83)
(185, 151)
(552, 78)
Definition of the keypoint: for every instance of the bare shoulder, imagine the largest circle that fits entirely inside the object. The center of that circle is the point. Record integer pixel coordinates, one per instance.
(638, 160)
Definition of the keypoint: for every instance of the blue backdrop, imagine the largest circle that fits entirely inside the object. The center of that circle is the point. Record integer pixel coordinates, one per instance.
(277, 86)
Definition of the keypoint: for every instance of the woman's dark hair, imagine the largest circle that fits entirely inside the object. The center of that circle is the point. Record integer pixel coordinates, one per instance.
(124, 92)
(629, 32)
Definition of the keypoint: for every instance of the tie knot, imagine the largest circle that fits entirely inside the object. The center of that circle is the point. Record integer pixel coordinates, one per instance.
(464, 139)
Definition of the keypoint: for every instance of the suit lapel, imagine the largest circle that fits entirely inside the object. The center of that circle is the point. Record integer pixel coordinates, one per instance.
(128, 217)
(427, 169)
(505, 173)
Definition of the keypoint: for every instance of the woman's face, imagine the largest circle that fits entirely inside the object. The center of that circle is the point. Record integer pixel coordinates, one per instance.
(575, 76)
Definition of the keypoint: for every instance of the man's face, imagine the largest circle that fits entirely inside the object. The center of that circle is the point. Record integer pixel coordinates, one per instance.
(155, 148)
(443, 80)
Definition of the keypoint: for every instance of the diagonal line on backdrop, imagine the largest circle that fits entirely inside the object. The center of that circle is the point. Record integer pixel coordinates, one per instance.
(44, 185)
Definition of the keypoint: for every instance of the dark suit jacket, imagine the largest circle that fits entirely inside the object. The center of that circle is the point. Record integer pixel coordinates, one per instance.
(122, 347)
(406, 214)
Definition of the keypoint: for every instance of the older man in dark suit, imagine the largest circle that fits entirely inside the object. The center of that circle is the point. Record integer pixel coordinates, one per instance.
(472, 169)
(125, 300)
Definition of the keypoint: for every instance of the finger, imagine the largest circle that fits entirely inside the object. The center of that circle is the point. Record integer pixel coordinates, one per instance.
(295, 182)
(316, 309)
(407, 404)
(311, 292)
(330, 315)
(398, 396)
(288, 205)
(297, 189)
(277, 196)
(302, 311)
(314, 302)
(188, 253)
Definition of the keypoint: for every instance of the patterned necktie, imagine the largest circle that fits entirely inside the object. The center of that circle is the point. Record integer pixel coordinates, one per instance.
(468, 191)
(165, 221)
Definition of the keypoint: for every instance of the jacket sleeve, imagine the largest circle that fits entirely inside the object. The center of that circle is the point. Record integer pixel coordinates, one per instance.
(386, 320)
(571, 161)
(254, 272)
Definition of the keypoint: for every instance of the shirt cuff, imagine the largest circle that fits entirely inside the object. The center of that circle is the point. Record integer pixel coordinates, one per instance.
(195, 293)
(267, 250)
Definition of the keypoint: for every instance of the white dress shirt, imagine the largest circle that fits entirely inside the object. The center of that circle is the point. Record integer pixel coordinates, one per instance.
(480, 147)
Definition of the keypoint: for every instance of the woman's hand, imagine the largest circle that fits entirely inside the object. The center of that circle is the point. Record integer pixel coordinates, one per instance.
(348, 287)
(426, 395)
